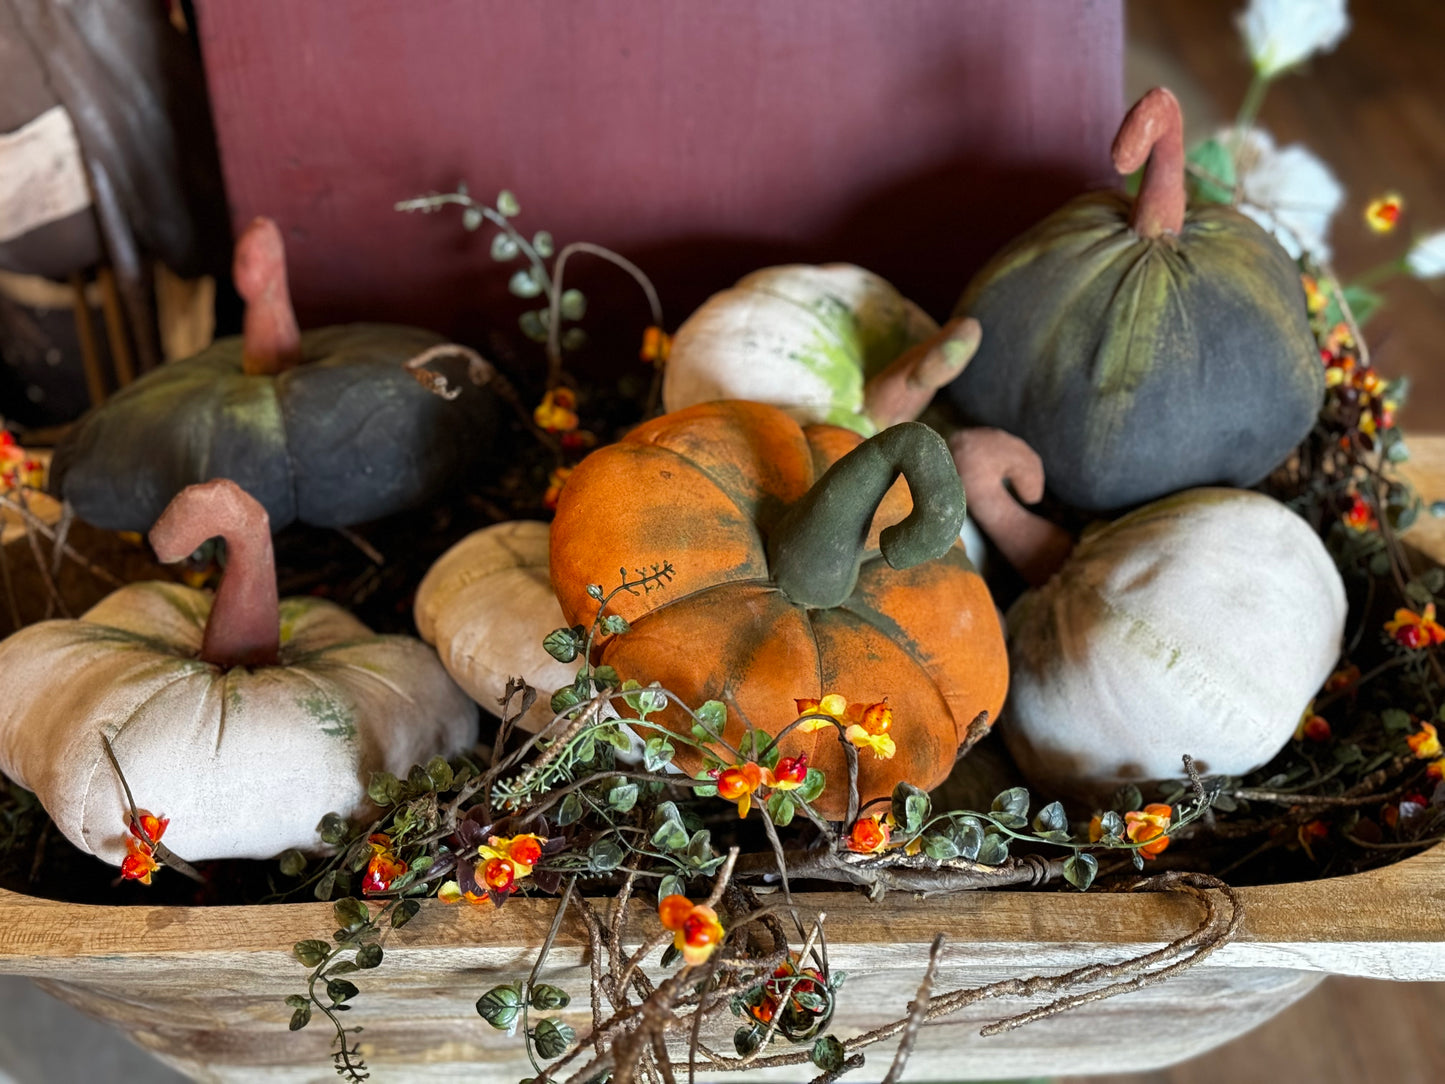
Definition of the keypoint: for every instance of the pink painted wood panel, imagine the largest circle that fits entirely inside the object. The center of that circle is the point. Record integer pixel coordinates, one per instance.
(702, 139)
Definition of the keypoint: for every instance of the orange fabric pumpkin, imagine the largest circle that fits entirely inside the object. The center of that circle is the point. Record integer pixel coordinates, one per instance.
(707, 489)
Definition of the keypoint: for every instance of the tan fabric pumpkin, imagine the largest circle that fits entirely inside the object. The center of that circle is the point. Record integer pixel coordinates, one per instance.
(244, 759)
(487, 604)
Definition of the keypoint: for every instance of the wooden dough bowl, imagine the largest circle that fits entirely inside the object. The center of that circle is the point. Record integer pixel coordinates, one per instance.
(203, 988)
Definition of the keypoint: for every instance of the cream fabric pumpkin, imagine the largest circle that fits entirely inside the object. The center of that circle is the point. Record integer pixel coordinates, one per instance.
(1199, 624)
(802, 338)
(487, 604)
(242, 719)
(244, 761)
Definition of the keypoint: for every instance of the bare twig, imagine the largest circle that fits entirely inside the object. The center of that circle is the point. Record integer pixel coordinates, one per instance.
(917, 1010)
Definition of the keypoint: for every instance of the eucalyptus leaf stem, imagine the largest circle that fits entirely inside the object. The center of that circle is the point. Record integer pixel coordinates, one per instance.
(1249, 109)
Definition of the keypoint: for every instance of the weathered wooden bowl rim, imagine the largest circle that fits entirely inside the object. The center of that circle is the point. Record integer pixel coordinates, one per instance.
(1384, 923)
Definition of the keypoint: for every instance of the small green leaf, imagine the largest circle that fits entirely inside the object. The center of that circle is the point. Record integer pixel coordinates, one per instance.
(574, 338)
(1128, 799)
(439, 772)
(670, 956)
(292, 863)
(504, 247)
(472, 219)
(993, 851)
(300, 1018)
(333, 828)
(671, 885)
(368, 956)
(507, 204)
(613, 625)
(564, 698)
(711, 717)
(570, 811)
(500, 1006)
(552, 1038)
(524, 284)
(1011, 809)
(339, 991)
(343, 967)
(812, 786)
(781, 808)
(939, 847)
(754, 746)
(747, 1039)
(533, 325)
(1212, 178)
(404, 913)
(604, 855)
(595, 590)
(1363, 303)
(350, 913)
(311, 952)
(296, 1001)
(622, 799)
(606, 677)
(1138, 860)
(1051, 819)
(546, 998)
(563, 644)
(326, 886)
(910, 807)
(1112, 825)
(572, 304)
(542, 244)
(828, 1054)
(1079, 870)
(968, 834)
(384, 788)
(657, 753)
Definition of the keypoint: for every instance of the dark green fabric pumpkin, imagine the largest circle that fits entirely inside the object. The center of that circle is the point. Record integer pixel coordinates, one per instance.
(1139, 349)
(325, 427)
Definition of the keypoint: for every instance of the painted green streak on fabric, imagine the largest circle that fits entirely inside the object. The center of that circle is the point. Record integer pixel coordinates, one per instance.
(333, 717)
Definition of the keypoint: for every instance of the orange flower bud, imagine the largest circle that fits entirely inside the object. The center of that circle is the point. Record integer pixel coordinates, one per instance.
(696, 927)
(499, 874)
(1148, 826)
(869, 835)
(1425, 743)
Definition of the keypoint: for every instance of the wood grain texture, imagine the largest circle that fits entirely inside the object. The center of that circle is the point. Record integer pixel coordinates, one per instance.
(702, 140)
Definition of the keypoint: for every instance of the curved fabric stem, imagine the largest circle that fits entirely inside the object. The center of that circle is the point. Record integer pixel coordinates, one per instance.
(817, 547)
(989, 461)
(901, 392)
(244, 628)
(1153, 132)
(271, 341)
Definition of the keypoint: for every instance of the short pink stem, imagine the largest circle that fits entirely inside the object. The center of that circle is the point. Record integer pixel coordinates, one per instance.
(1153, 132)
(989, 461)
(902, 391)
(271, 341)
(244, 628)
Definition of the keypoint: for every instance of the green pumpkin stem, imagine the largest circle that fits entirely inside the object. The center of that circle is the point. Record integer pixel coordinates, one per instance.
(817, 547)
(244, 628)
(1153, 133)
(271, 341)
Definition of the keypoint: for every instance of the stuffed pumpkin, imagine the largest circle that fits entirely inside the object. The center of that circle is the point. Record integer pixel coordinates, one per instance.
(832, 344)
(1202, 623)
(1139, 346)
(801, 567)
(242, 719)
(325, 426)
(487, 605)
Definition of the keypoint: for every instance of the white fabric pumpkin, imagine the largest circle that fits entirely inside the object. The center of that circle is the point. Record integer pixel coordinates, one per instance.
(487, 604)
(1199, 624)
(244, 761)
(802, 338)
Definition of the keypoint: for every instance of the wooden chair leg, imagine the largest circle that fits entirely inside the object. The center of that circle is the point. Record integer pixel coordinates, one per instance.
(115, 332)
(89, 349)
